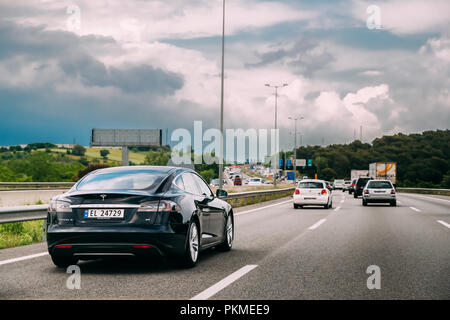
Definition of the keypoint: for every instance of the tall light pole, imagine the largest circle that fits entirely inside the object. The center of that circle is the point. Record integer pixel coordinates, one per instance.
(276, 138)
(221, 99)
(295, 141)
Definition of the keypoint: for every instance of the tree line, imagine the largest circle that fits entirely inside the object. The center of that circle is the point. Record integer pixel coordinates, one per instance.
(423, 160)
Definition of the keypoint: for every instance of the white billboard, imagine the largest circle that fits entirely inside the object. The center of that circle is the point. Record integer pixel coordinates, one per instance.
(300, 162)
(126, 137)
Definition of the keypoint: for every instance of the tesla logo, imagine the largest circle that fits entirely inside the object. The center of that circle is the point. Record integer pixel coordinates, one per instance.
(103, 196)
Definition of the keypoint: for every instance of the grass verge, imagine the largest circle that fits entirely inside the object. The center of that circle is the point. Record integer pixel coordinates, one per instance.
(20, 233)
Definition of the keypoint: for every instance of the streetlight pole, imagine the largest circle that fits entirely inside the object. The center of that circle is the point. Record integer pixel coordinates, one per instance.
(276, 136)
(221, 99)
(295, 141)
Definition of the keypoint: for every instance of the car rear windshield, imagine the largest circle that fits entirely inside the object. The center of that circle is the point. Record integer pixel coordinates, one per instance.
(255, 180)
(124, 180)
(362, 181)
(310, 185)
(379, 185)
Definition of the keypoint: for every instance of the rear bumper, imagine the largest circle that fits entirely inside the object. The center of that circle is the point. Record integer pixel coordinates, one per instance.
(379, 199)
(92, 242)
(319, 200)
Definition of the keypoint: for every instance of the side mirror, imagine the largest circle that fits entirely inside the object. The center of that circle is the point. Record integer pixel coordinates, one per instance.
(220, 193)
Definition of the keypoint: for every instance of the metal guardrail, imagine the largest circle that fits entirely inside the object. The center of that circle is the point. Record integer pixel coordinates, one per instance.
(23, 213)
(39, 212)
(16, 186)
(443, 192)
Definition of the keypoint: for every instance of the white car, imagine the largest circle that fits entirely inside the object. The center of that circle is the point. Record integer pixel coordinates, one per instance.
(338, 184)
(312, 192)
(255, 182)
(379, 191)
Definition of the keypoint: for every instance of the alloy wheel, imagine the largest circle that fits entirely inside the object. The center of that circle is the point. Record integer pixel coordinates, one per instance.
(193, 242)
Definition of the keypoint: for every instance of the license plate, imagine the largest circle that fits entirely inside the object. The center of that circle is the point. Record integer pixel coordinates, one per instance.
(310, 198)
(104, 213)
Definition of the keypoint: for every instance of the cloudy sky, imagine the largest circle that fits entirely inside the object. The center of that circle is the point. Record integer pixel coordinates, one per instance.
(156, 64)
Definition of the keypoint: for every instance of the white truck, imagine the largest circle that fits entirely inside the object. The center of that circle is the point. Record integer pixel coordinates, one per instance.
(383, 170)
(355, 174)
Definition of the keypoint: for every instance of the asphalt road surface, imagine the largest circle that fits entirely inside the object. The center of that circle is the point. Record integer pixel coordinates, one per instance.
(279, 253)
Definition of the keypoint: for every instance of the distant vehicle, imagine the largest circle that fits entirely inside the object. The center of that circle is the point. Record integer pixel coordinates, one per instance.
(255, 182)
(338, 184)
(312, 192)
(351, 187)
(355, 174)
(215, 182)
(267, 182)
(237, 181)
(384, 170)
(346, 185)
(381, 191)
(329, 186)
(138, 211)
(359, 186)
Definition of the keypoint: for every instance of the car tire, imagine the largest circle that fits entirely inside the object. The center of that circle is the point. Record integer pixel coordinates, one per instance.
(227, 244)
(63, 261)
(393, 203)
(355, 195)
(296, 206)
(192, 249)
(364, 203)
(331, 205)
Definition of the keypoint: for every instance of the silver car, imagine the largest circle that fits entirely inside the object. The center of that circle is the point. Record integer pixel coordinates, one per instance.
(381, 191)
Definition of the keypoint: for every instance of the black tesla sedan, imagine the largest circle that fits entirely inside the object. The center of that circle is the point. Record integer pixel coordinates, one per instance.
(138, 211)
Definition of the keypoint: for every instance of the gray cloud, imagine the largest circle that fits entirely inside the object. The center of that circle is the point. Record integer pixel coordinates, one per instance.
(306, 56)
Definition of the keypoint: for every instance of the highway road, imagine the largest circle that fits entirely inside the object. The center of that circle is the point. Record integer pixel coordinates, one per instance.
(279, 253)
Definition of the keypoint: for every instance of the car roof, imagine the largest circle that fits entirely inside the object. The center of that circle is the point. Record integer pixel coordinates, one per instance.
(381, 180)
(161, 169)
(312, 180)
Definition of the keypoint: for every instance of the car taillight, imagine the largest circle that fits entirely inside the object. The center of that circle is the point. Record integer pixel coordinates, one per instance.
(324, 191)
(159, 206)
(366, 191)
(393, 191)
(297, 191)
(352, 185)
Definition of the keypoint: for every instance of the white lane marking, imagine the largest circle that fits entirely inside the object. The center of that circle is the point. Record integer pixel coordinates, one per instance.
(261, 208)
(444, 223)
(425, 197)
(23, 258)
(317, 224)
(415, 209)
(337, 208)
(224, 283)
(342, 200)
